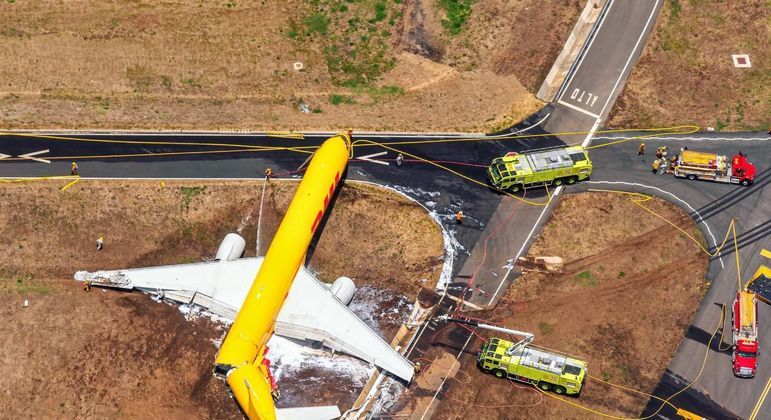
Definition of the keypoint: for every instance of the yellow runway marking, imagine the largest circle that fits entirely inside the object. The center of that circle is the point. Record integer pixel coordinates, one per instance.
(760, 400)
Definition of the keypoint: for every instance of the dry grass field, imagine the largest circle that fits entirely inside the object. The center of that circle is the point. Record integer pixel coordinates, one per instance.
(686, 74)
(186, 64)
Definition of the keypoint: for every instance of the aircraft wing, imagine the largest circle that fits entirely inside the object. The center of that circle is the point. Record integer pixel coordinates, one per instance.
(218, 286)
(310, 311)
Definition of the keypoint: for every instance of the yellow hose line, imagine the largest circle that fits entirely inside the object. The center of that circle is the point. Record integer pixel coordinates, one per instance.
(736, 251)
(676, 130)
(138, 142)
(689, 129)
(721, 323)
(70, 184)
(689, 236)
(665, 401)
(632, 390)
(364, 142)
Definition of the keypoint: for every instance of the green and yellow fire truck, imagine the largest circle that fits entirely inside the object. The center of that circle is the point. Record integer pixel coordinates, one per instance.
(545, 369)
(516, 171)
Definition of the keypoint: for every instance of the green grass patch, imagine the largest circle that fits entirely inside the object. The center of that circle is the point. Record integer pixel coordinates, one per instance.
(545, 328)
(356, 38)
(193, 82)
(457, 13)
(25, 286)
(336, 99)
(293, 31)
(378, 93)
(585, 278)
(675, 8)
(621, 274)
(316, 23)
(188, 193)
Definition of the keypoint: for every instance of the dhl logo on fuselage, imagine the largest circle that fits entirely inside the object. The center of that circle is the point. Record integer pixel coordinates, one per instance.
(327, 198)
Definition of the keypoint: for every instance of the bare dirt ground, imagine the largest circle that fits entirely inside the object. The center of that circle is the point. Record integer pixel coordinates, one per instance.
(111, 354)
(230, 65)
(686, 75)
(630, 286)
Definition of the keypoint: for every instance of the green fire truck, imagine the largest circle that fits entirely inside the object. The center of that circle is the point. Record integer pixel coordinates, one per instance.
(520, 361)
(516, 171)
(545, 369)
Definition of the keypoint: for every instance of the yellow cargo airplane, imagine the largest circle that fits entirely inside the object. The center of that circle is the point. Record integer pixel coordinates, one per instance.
(284, 297)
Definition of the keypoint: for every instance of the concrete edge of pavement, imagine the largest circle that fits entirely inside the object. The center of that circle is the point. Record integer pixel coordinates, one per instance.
(571, 50)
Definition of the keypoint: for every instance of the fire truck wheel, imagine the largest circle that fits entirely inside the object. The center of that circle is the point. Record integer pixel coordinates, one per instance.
(544, 386)
(691, 177)
(558, 181)
(745, 182)
(499, 373)
(514, 188)
(571, 180)
(559, 390)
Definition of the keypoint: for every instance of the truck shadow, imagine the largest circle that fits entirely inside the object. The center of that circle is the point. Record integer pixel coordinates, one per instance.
(717, 344)
(744, 239)
(727, 200)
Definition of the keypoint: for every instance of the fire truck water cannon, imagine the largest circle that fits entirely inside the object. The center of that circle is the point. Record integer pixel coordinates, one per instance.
(520, 361)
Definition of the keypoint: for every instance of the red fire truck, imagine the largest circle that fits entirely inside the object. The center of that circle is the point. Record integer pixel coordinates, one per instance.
(713, 167)
(745, 334)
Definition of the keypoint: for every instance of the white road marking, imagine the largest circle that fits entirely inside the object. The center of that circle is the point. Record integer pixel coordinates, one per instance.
(524, 244)
(234, 133)
(589, 136)
(629, 60)
(714, 241)
(578, 95)
(31, 154)
(369, 158)
(446, 376)
(524, 129)
(581, 60)
(581, 110)
(3, 156)
(689, 138)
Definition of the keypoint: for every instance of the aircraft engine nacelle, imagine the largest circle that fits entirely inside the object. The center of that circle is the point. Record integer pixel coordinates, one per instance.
(231, 248)
(343, 288)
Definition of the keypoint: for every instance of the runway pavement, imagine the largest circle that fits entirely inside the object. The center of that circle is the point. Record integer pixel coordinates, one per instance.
(599, 75)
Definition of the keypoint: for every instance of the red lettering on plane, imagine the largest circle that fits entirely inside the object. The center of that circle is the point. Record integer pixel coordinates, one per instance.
(327, 198)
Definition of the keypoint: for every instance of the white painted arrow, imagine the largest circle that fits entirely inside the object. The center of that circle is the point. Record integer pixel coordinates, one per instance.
(368, 158)
(39, 152)
(3, 156)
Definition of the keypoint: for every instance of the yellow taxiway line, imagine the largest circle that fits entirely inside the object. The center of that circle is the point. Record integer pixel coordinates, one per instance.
(760, 400)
